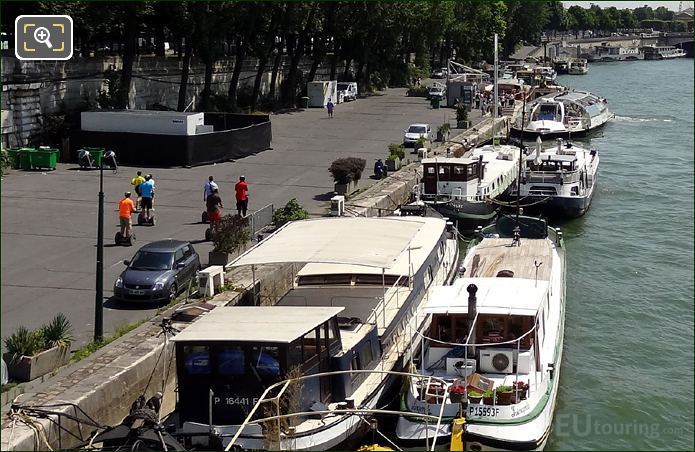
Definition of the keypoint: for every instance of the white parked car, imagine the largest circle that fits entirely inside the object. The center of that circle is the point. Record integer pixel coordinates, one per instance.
(436, 92)
(348, 90)
(415, 132)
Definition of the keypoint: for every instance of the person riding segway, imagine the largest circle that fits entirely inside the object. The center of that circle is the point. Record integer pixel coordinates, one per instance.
(147, 191)
(125, 210)
(207, 191)
(135, 182)
(214, 211)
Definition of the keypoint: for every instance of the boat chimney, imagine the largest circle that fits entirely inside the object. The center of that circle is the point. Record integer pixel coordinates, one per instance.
(472, 302)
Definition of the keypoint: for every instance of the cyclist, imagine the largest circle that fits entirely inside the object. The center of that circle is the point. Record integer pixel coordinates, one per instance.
(135, 182)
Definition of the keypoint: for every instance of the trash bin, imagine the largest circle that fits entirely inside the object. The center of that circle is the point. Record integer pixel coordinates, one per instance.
(305, 102)
(97, 154)
(25, 158)
(45, 157)
(435, 102)
(13, 154)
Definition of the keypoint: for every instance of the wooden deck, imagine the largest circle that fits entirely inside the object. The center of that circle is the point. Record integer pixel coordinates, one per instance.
(494, 255)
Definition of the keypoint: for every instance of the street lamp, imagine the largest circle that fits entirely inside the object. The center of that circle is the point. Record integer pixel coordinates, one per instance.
(99, 297)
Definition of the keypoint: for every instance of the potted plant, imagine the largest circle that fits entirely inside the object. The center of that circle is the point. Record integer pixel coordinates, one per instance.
(31, 354)
(346, 174)
(489, 397)
(396, 156)
(504, 395)
(443, 132)
(231, 234)
(293, 211)
(462, 121)
(520, 391)
(475, 397)
(456, 391)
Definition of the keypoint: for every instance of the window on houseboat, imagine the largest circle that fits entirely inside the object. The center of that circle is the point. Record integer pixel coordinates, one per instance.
(231, 360)
(429, 170)
(310, 348)
(266, 361)
(471, 172)
(376, 279)
(318, 280)
(355, 365)
(366, 355)
(197, 359)
(444, 172)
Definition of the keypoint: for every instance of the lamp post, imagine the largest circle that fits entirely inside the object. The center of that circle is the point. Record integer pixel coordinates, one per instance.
(99, 297)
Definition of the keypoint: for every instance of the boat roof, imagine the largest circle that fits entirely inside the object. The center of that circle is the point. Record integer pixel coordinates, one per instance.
(507, 296)
(365, 242)
(558, 157)
(277, 324)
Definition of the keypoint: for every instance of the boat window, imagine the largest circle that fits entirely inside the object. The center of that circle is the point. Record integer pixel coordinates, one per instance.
(388, 280)
(471, 171)
(318, 280)
(444, 172)
(428, 276)
(429, 172)
(309, 348)
(230, 360)
(459, 173)
(197, 359)
(366, 355)
(355, 365)
(266, 362)
(331, 333)
(294, 353)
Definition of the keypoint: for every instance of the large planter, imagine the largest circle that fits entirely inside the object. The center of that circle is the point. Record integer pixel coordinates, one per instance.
(393, 165)
(345, 189)
(504, 398)
(455, 398)
(27, 368)
(218, 258)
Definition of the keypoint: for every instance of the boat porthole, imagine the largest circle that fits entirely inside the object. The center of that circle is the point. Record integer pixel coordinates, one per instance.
(475, 446)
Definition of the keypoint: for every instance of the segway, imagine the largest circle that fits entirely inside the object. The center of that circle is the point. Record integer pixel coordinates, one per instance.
(142, 220)
(204, 217)
(208, 235)
(123, 241)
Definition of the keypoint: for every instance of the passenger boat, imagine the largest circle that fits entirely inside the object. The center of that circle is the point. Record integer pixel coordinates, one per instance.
(608, 53)
(572, 113)
(558, 182)
(354, 307)
(662, 52)
(561, 65)
(578, 66)
(495, 338)
(465, 188)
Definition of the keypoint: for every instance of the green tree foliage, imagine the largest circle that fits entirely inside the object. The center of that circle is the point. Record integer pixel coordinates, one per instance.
(293, 211)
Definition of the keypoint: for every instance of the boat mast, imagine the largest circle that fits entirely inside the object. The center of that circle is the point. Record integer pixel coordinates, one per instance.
(521, 153)
(495, 99)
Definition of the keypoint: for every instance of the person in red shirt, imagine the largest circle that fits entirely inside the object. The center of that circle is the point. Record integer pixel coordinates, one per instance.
(242, 196)
(126, 206)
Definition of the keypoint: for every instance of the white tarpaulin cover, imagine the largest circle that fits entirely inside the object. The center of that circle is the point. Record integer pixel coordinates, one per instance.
(372, 242)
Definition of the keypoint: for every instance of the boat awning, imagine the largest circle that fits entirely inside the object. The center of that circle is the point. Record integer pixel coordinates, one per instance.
(259, 324)
(503, 296)
(370, 242)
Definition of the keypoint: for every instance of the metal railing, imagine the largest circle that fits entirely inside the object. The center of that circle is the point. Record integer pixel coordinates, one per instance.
(260, 218)
(550, 177)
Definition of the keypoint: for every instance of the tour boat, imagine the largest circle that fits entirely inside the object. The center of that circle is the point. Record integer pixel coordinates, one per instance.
(608, 53)
(354, 307)
(662, 52)
(577, 66)
(571, 113)
(559, 181)
(465, 188)
(495, 339)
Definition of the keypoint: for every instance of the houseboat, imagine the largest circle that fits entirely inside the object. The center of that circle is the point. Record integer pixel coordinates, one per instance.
(571, 113)
(662, 52)
(558, 182)
(578, 66)
(465, 188)
(495, 338)
(608, 53)
(355, 305)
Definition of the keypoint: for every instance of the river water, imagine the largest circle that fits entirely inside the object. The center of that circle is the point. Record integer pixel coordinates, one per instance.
(627, 373)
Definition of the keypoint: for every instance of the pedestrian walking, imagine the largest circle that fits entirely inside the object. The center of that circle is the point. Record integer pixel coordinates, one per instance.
(329, 107)
(242, 196)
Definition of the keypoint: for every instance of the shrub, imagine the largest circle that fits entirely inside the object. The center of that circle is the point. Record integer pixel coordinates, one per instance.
(444, 128)
(232, 233)
(396, 150)
(357, 164)
(461, 112)
(417, 92)
(24, 342)
(58, 332)
(346, 170)
(292, 211)
(4, 161)
(420, 143)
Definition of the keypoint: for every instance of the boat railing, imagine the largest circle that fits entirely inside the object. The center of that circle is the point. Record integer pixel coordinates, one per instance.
(379, 311)
(347, 407)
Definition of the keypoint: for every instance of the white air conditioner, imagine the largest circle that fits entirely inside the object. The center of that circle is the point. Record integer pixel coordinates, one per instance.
(497, 360)
(460, 367)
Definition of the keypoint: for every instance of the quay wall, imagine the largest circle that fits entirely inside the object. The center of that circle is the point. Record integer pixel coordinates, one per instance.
(32, 91)
(105, 384)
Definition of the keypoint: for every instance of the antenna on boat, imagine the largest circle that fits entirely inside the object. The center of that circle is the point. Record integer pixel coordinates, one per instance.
(521, 152)
(537, 264)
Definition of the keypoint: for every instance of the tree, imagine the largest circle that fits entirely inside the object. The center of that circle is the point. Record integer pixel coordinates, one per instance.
(663, 13)
(525, 22)
(643, 13)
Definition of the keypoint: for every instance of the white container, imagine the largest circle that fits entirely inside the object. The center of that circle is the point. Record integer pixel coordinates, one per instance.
(320, 92)
(143, 121)
(337, 206)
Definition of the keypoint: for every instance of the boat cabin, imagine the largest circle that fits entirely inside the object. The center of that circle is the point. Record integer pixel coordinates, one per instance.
(232, 354)
(554, 163)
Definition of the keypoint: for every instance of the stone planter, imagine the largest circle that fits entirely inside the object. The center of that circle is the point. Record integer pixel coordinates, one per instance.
(345, 189)
(27, 368)
(218, 258)
(393, 165)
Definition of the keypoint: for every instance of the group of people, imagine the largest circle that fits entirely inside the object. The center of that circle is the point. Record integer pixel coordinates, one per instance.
(484, 102)
(144, 189)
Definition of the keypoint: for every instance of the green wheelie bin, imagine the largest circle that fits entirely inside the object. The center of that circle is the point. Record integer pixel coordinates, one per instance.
(97, 155)
(45, 157)
(435, 102)
(25, 158)
(13, 154)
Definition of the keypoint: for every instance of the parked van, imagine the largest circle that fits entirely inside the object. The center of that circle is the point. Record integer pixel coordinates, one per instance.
(348, 91)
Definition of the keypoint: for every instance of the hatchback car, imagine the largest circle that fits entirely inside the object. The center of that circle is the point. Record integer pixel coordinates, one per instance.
(415, 132)
(158, 272)
(436, 92)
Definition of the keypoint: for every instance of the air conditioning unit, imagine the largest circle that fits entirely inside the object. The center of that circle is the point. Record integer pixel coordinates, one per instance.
(460, 366)
(497, 361)
(337, 206)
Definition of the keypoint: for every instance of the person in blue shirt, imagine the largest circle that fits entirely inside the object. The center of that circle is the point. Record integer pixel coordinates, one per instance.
(147, 192)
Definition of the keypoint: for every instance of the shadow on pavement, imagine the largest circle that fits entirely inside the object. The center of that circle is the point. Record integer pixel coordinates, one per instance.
(324, 196)
(119, 305)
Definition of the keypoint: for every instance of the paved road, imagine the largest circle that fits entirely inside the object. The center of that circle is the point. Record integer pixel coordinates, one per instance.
(49, 219)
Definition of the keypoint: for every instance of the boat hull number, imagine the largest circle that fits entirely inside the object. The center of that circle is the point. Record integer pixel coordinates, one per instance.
(483, 411)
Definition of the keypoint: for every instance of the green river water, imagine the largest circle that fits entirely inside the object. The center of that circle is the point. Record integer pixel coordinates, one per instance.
(627, 372)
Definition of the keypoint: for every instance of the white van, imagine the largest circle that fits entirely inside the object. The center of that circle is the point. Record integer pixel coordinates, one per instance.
(348, 91)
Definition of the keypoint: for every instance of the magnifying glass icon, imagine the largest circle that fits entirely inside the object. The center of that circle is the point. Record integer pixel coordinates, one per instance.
(42, 36)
